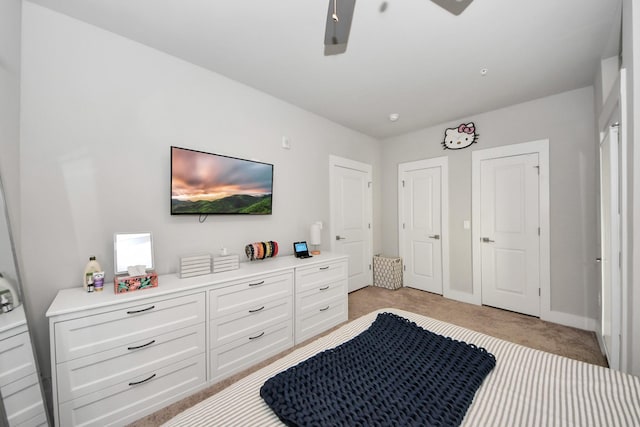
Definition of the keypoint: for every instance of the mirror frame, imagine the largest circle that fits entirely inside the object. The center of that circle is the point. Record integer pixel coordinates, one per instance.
(23, 302)
(119, 240)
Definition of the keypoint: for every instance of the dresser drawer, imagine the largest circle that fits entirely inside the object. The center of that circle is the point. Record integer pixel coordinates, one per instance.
(321, 295)
(241, 323)
(319, 275)
(22, 399)
(249, 350)
(91, 373)
(249, 294)
(317, 318)
(92, 334)
(16, 358)
(128, 401)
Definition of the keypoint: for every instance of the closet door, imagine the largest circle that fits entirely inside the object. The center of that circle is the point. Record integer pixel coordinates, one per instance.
(421, 228)
(610, 249)
(351, 217)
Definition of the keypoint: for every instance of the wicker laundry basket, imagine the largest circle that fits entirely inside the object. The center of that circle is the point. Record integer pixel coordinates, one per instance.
(387, 272)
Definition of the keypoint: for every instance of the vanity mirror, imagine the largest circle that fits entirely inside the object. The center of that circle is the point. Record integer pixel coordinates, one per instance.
(21, 397)
(132, 249)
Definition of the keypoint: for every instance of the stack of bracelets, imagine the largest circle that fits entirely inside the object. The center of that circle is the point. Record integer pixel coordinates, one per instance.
(261, 250)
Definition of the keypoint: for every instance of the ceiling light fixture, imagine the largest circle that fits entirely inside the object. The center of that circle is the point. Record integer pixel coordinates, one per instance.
(394, 117)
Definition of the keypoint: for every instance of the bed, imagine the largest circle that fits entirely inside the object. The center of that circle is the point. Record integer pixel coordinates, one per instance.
(527, 387)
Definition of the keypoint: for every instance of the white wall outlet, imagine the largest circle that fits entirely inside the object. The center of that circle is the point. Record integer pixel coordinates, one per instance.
(286, 144)
(466, 224)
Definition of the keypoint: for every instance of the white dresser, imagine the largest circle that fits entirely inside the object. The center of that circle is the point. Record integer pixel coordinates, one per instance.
(321, 301)
(19, 384)
(250, 320)
(118, 357)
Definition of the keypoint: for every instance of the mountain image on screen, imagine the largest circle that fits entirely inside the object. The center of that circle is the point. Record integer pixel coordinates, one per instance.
(207, 183)
(240, 204)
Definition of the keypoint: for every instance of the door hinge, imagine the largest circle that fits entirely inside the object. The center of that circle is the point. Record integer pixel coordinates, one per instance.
(537, 167)
(369, 226)
(369, 266)
(538, 231)
(404, 267)
(403, 226)
(539, 293)
(403, 183)
(369, 184)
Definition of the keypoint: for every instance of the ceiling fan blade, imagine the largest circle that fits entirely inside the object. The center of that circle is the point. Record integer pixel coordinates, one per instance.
(454, 6)
(337, 31)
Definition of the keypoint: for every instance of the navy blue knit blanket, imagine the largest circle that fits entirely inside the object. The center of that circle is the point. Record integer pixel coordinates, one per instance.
(395, 373)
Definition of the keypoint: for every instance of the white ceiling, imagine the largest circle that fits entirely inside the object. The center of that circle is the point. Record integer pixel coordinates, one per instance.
(405, 56)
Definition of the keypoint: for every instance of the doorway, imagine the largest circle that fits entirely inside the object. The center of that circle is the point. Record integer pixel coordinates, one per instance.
(510, 199)
(423, 223)
(610, 249)
(613, 259)
(351, 217)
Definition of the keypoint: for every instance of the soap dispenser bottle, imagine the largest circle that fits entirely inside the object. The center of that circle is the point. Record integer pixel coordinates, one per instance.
(92, 267)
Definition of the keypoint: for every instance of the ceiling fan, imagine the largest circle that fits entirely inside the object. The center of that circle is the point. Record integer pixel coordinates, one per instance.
(340, 14)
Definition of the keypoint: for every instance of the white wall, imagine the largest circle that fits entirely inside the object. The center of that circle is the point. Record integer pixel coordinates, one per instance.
(99, 113)
(10, 11)
(567, 120)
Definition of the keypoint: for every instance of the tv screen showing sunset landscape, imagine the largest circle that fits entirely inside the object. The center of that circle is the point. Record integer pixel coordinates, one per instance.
(206, 183)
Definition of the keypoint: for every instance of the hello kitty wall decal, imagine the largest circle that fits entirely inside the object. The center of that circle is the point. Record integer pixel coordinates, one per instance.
(460, 137)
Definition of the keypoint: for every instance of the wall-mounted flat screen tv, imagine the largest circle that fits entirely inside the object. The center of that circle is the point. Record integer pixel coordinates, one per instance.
(208, 184)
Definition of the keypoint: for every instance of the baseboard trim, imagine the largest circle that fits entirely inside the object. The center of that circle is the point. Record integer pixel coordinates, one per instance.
(565, 319)
(571, 320)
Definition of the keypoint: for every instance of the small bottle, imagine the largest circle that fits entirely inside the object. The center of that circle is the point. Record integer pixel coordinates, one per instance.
(92, 267)
(98, 281)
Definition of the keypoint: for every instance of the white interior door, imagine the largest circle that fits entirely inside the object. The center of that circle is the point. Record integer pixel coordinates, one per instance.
(351, 217)
(421, 225)
(509, 230)
(610, 245)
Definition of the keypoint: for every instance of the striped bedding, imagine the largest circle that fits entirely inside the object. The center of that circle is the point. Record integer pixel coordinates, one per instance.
(526, 388)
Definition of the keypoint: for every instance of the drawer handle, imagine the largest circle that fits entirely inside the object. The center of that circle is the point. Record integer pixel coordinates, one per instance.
(143, 381)
(325, 288)
(141, 346)
(257, 336)
(256, 310)
(140, 311)
(256, 284)
(325, 309)
(324, 268)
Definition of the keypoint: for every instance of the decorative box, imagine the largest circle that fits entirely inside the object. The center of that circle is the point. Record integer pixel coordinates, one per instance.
(225, 262)
(387, 272)
(123, 284)
(195, 265)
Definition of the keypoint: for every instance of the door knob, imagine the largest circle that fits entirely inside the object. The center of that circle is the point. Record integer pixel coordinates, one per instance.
(435, 236)
(340, 238)
(486, 240)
